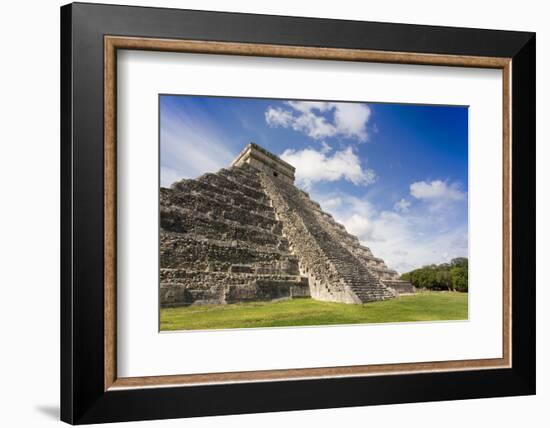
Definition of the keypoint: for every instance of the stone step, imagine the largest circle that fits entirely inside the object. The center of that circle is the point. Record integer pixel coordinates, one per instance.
(230, 196)
(177, 274)
(235, 199)
(188, 288)
(247, 171)
(176, 248)
(218, 209)
(400, 287)
(182, 220)
(224, 183)
(242, 179)
(268, 267)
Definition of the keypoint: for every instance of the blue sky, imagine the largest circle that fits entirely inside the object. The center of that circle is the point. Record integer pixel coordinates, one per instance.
(396, 175)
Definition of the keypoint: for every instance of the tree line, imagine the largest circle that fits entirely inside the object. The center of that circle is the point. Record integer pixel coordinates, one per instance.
(446, 276)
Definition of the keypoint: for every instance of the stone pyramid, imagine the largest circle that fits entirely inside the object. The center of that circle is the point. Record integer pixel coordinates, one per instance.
(247, 233)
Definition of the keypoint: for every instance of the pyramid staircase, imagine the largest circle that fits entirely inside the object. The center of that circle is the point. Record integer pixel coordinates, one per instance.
(335, 273)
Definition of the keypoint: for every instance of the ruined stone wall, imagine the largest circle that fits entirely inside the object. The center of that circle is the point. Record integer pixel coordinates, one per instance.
(400, 286)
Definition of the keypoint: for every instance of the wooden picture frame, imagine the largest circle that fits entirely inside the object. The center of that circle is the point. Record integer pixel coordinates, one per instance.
(91, 390)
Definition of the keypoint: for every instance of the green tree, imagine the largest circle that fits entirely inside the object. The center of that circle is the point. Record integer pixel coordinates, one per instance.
(459, 275)
(446, 276)
(443, 277)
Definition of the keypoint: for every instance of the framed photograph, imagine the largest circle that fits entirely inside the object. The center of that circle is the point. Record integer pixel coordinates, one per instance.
(266, 213)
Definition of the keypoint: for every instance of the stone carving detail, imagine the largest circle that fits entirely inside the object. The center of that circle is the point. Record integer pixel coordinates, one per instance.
(247, 233)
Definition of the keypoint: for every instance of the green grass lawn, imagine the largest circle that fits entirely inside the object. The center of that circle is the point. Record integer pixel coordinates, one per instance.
(431, 306)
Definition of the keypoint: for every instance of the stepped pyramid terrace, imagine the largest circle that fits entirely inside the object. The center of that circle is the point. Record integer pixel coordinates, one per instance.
(247, 233)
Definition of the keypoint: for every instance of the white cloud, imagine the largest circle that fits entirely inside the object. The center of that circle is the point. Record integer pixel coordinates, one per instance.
(314, 166)
(361, 226)
(189, 147)
(402, 206)
(436, 190)
(332, 203)
(314, 126)
(307, 106)
(348, 119)
(351, 119)
(278, 117)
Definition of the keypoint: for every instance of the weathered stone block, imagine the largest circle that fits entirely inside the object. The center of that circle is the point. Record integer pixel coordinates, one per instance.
(241, 269)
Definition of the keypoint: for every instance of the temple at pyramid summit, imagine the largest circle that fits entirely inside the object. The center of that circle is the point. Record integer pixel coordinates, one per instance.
(247, 233)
